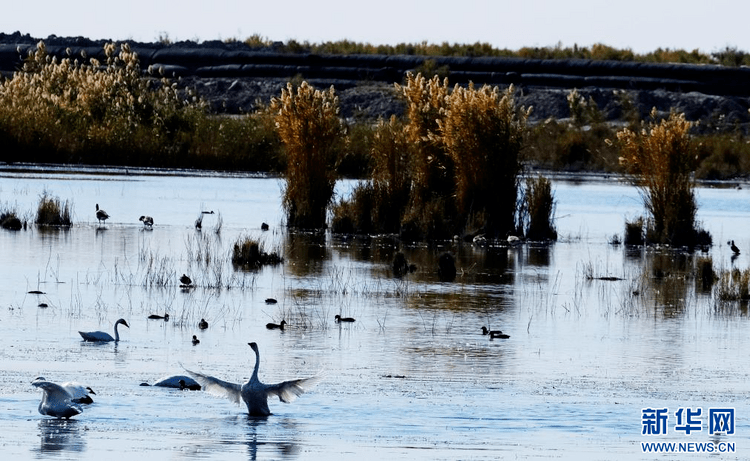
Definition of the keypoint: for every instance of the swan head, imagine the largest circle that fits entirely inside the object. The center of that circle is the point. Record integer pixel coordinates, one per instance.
(254, 346)
(122, 322)
(90, 391)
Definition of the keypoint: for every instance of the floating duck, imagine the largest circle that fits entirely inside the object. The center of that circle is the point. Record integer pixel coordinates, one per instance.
(271, 301)
(185, 281)
(339, 318)
(254, 393)
(203, 324)
(196, 341)
(494, 334)
(276, 326)
(101, 336)
(164, 317)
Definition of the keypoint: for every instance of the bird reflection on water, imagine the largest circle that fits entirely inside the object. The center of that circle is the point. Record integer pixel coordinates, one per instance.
(60, 435)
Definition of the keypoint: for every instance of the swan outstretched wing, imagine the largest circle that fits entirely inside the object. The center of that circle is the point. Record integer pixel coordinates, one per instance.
(288, 391)
(55, 392)
(218, 387)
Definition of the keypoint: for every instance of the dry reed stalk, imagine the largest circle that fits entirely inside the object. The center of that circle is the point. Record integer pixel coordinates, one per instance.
(308, 124)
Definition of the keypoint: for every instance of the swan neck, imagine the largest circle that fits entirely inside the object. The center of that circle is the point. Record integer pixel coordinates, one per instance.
(117, 333)
(257, 365)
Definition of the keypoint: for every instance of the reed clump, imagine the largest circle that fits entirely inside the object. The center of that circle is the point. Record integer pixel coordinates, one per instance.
(634, 232)
(660, 159)
(249, 252)
(482, 131)
(377, 205)
(52, 212)
(539, 210)
(309, 127)
(453, 163)
(9, 221)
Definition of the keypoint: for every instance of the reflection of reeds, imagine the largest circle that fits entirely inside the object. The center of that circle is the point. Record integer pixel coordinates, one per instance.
(733, 285)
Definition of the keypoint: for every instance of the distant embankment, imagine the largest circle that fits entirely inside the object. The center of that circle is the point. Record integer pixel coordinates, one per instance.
(218, 60)
(232, 77)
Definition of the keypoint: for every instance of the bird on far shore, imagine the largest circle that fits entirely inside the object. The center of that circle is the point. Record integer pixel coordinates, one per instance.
(339, 318)
(203, 324)
(196, 341)
(276, 326)
(101, 215)
(148, 222)
(199, 221)
(734, 248)
(164, 317)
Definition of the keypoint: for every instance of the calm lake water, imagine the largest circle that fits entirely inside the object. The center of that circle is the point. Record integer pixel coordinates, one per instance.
(412, 378)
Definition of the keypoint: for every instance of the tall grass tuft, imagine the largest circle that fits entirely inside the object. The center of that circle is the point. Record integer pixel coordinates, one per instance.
(309, 127)
(249, 252)
(634, 232)
(660, 159)
(377, 205)
(540, 208)
(430, 206)
(482, 131)
(52, 212)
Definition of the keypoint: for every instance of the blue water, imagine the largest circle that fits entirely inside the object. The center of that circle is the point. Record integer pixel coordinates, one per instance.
(412, 378)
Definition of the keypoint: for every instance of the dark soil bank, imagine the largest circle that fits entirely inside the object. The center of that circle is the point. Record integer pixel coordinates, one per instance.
(233, 77)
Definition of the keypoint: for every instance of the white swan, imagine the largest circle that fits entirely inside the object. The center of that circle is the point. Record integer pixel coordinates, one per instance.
(56, 400)
(102, 336)
(179, 382)
(101, 215)
(254, 393)
(78, 392)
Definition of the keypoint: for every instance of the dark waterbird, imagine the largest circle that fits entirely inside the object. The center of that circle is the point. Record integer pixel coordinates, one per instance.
(101, 215)
(203, 324)
(276, 326)
(264, 227)
(196, 341)
(185, 281)
(254, 393)
(271, 301)
(164, 317)
(494, 334)
(148, 221)
(734, 248)
(339, 318)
